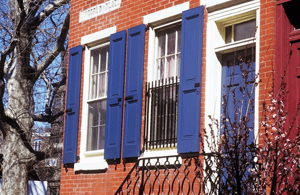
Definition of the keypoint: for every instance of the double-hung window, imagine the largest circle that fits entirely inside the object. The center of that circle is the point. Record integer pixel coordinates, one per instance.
(94, 100)
(175, 50)
(162, 91)
(97, 98)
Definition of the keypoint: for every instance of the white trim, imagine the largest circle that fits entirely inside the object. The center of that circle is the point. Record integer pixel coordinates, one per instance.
(215, 47)
(234, 10)
(95, 164)
(162, 152)
(256, 106)
(98, 35)
(212, 5)
(166, 13)
(151, 55)
(90, 160)
(235, 45)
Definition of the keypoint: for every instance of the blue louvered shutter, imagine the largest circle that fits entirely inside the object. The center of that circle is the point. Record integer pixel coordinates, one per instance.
(134, 92)
(190, 81)
(72, 105)
(113, 127)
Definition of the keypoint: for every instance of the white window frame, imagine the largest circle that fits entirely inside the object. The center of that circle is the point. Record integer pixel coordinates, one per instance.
(216, 46)
(156, 20)
(97, 99)
(155, 65)
(91, 160)
(37, 144)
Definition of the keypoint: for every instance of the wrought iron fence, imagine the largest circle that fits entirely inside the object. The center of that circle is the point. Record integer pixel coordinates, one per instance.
(161, 113)
(184, 175)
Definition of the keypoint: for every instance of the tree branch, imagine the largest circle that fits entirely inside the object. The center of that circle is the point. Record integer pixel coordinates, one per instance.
(57, 48)
(21, 5)
(14, 40)
(47, 118)
(5, 53)
(36, 21)
(56, 87)
(48, 151)
(34, 6)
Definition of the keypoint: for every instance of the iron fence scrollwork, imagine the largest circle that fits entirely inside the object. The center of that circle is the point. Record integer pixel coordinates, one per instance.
(191, 174)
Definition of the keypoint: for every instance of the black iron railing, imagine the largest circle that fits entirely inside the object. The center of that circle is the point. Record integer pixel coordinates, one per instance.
(193, 174)
(161, 113)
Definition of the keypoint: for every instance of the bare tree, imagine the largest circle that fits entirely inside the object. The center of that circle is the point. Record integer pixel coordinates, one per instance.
(33, 40)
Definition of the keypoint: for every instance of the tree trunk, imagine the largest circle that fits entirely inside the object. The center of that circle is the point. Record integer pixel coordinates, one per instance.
(15, 175)
(26, 55)
(17, 152)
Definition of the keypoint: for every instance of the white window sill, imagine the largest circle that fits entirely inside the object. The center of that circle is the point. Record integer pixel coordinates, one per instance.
(162, 155)
(91, 165)
(92, 160)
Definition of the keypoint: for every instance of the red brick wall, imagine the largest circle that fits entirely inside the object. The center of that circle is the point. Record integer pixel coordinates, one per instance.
(267, 52)
(131, 14)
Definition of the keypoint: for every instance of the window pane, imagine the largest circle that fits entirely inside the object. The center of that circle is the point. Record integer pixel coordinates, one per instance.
(171, 42)
(102, 85)
(95, 61)
(96, 125)
(94, 138)
(94, 86)
(102, 137)
(171, 67)
(244, 30)
(228, 34)
(179, 40)
(102, 111)
(161, 44)
(161, 68)
(178, 65)
(103, 59)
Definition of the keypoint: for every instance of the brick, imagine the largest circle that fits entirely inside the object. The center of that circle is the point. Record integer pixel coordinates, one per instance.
(131, 14)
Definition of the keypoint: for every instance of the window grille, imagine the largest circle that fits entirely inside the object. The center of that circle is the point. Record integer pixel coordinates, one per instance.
(161, 113)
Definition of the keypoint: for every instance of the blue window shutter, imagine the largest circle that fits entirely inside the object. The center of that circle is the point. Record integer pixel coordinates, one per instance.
(113, 127)
(190, 81)
(134, 92)
(72, 105)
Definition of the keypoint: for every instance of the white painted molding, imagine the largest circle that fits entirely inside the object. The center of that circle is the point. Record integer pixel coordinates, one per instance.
(161, 153)
(234, 10)
(213, 5)
(91, 165)
(230, 47)
(166, 13)
(216, 47)
(98, 35)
